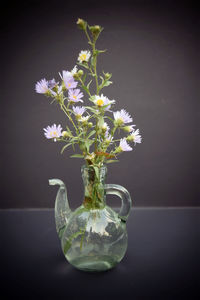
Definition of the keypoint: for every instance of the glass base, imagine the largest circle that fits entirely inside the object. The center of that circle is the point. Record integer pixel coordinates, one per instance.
(94, 263)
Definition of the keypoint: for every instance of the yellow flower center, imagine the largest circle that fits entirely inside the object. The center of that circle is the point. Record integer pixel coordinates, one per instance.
(69, 84)
(83, 56)
(74, 97)
(53, 133)
(100, 102)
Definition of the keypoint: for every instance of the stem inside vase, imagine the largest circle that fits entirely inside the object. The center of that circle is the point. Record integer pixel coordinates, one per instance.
(94, 180)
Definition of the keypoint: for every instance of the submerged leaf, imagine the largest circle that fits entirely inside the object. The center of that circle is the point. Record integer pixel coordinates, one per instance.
(96, 172)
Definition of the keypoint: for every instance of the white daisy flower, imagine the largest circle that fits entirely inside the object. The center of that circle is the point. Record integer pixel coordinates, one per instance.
(122, 117)
(103, 101)
(84, 55)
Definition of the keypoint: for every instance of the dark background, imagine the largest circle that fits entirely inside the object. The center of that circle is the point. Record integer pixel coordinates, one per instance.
(153, 56)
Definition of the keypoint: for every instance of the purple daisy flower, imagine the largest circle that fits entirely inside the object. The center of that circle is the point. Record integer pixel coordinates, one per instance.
(42, 86)
(53, 132)
(108, 136)
(136, 136)
(75, 95)
(122, 117)
(52, 83)
(78, 110)
(68, 80)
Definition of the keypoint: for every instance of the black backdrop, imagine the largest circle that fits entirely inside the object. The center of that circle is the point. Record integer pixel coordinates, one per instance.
(152, 54)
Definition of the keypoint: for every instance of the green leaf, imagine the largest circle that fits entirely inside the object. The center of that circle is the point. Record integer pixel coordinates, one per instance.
(102, 80)
(101, 51)
(66, 247)
(107, 83)
(70, 239)
(83, 65)
(84, 77)
(88, 85)
(86, 89)
(92, 98)
(91, 133)
(52, 101)
(101, 121)
(93, 109)
(88, 143)
(109, 118)
(77, 156)
(110, 161)
(65, 147)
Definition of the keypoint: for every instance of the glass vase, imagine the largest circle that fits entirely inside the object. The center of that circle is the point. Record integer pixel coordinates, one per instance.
(94, 236)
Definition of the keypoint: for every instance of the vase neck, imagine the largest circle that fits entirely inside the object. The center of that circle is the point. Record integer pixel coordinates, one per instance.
(94, 181)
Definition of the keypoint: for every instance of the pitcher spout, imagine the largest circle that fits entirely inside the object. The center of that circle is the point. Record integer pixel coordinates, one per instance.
(62, 209)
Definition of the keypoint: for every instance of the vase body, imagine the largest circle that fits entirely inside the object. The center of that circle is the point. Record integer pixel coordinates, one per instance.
(94, 236)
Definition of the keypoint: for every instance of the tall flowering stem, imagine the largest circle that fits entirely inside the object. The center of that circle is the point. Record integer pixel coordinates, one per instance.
(99, 142)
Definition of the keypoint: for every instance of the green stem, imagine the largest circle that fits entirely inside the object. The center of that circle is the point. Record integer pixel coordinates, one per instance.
(84, 85)
(96, 135)
(89, 39)
(64, 109)
(95, 66)
(113, 131)
(95, 59)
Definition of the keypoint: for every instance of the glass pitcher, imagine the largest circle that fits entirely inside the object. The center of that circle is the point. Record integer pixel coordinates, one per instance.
(94, 236)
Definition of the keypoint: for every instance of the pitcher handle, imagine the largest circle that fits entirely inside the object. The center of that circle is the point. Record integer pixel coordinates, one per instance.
(124, 195)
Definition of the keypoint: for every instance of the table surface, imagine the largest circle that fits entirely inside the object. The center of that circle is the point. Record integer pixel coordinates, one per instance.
(161, 260)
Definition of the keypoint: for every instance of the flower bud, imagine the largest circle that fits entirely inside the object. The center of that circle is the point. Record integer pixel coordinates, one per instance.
(90, 124)
(128, 128)
(76, 76)
(81, 24)
(78, 117)
(107, 75)
(95, 29)
(130, 138)
(84, 120)
(118, 150)
(107, 142)
(80, 73)
(118, 122)
(65, 134)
